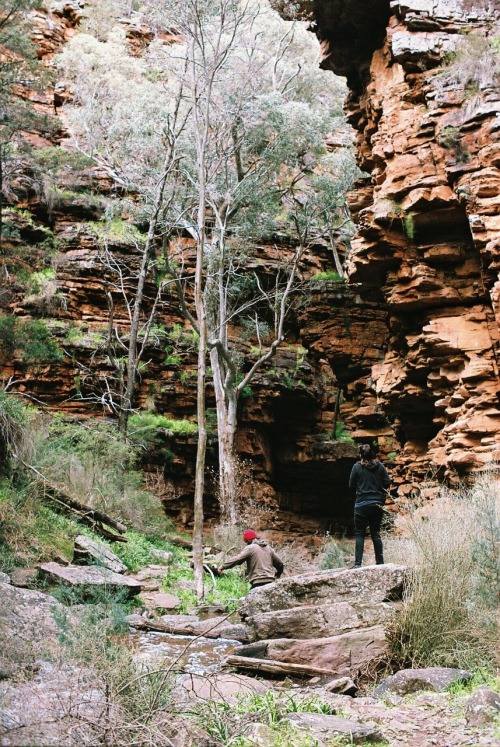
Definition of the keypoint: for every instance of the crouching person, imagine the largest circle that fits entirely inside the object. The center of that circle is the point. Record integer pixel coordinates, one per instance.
(263, 566)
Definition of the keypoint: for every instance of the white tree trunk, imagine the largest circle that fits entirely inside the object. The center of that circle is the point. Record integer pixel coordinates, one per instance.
(226, 406)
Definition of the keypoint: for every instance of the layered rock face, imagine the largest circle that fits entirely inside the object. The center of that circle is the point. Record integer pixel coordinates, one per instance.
(424, 103)
(331, 619)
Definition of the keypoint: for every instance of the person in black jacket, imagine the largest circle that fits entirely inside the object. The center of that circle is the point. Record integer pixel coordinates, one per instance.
(369, 482)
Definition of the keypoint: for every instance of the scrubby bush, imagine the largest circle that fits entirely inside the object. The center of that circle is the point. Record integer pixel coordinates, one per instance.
(332, 556)
(30, 338)
(92, 462)
(448, 617)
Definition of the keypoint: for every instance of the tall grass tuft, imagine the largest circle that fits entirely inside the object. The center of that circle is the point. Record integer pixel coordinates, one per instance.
(448, 616)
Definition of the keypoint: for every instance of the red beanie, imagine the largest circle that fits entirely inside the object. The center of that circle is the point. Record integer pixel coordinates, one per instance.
(249, 535)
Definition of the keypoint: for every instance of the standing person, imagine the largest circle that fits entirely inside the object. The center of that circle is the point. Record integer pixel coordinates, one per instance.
(369, 482)
(263, 565)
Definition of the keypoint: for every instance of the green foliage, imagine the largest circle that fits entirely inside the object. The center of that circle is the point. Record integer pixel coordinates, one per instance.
(115, 229)
(183, 337)
(223, 720)
(332, 556)
(30, 531)
(134, 701)
(145, 422)
(342, 434)
(246, 392)
(409, 226)
(81, 335)
(95, 464)
(172, 360)
(327, 275)
(137, 551)
(480, 677)
(473, 67)
(31, 337)
(450, 137)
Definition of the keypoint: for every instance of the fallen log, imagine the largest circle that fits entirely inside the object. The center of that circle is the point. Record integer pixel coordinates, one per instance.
(276, 667)
(188, 629)
(179, 542)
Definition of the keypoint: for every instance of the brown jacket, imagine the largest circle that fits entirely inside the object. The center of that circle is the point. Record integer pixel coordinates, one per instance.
(263, 565)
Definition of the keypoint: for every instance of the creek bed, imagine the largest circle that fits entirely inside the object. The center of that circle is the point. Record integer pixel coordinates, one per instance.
(203, 655)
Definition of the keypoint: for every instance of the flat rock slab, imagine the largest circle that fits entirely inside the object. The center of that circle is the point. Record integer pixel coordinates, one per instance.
(60, 705)
(159, 600)
(25, 578)
(343, 654)
(151, 572)
(371, 584)
(318, 621)
(220, 687)
(320, 725)
(89, 576)
(436, 679)
(86, 547)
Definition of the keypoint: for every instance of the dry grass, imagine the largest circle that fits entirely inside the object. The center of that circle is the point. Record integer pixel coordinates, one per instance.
(452, 546)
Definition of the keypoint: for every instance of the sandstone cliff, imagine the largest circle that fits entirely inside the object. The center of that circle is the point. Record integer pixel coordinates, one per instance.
(423, 79)
(407, 349)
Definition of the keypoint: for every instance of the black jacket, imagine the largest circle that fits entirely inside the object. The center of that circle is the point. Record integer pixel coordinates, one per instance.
(369, 481)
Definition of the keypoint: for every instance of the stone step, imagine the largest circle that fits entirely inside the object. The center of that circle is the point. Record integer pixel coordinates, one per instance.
(370, 584)
(88, 576)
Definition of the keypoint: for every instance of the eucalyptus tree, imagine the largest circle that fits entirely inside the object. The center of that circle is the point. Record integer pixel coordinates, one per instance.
(261, 133)
(211, 132)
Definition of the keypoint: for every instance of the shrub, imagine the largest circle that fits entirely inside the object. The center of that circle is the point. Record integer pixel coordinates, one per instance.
(44, 294)
(447, 618)
(145, 424)
(474, 66)
(332, 556)
(341, 434)
(94, 463)
(13, 420)
(31, 337)
(39, 536)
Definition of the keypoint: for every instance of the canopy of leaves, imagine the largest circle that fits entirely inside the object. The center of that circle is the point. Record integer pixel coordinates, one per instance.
(270, 108)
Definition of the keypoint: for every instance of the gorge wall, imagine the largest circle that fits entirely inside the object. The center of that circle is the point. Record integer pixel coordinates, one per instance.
(407, 348)
(424, 101)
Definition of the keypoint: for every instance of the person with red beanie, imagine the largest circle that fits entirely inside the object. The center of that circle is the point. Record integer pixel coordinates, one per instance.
(263, 564)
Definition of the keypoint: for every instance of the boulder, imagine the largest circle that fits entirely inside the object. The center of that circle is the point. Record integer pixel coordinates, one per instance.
(27, 627)
(342, 654)
(165, 556)
(24, 577)
(159, 600)
(371, 584)
(4, 578)
(319, 725)
(482, 707)
(183, 733)
(60, 704)
(435, 679)
(260, 735)
(151, 572)
(310, 621)
(341, 685)
(83, 578)
(87, 549)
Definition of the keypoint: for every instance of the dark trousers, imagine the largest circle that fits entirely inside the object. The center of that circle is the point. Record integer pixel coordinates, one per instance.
(368, 516)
